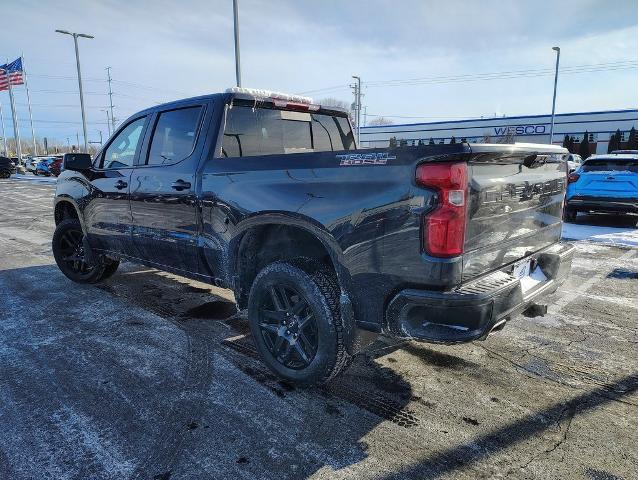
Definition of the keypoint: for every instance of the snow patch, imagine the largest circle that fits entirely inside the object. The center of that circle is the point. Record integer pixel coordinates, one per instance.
(616, 236)
(34, 179)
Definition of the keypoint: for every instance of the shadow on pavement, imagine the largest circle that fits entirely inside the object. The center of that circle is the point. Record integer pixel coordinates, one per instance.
(463, 456)
(607, 220)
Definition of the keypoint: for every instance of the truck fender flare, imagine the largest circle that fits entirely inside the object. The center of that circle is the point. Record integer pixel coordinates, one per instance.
(298, 221)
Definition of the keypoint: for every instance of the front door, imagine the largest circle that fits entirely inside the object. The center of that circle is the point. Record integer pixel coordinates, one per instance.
(163, 190)
(108, 213)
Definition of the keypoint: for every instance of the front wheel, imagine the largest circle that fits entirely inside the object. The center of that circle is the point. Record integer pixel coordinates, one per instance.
(5, 174)
(296, 323)
(68, 251)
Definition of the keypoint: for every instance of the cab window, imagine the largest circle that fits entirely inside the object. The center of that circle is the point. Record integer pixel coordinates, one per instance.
(174, 136)
(121, 151)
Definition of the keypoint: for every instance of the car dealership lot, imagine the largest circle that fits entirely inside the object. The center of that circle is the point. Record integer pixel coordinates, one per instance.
(150, 375)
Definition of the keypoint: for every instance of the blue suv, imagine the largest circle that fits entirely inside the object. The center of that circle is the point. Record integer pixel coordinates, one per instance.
(603, 183)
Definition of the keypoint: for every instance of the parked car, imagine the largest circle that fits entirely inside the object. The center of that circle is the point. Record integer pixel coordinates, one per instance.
(574, 161)
(604, 183)
(42, 168)
(325, 245)
(7, 167)
(32, 162)
(55, 167)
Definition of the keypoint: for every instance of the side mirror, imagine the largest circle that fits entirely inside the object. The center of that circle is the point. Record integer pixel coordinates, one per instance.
(77, 161)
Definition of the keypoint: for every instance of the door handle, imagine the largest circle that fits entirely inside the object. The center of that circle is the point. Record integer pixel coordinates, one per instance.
(180, 185)
(120, 184)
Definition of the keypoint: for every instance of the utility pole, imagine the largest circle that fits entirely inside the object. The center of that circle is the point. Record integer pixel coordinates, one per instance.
(237, 57)
(357, 102)
(108, 121)
(77, 136)
(365, 116)
(77, 60)
(108, 73)
(551, 131)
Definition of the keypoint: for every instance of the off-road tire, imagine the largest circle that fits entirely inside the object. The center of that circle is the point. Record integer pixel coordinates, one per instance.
(100, 270)
(5, 173)
(320, 290)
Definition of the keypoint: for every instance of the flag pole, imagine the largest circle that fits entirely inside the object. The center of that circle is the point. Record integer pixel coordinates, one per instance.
(26, 86)
(16, 131)
(4, 136)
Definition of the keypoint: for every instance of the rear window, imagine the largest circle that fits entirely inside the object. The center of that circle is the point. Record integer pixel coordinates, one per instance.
(262, 131)
(611, 164)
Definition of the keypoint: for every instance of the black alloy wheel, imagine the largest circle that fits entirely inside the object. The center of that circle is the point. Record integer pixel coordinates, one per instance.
(288, 326)
(296, 323)
(69, 254)
(71, 249)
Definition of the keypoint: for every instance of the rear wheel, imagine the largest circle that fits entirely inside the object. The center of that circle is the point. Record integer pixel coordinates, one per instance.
(5, 173)
(68, 251)
(296, 324)
(569, 215)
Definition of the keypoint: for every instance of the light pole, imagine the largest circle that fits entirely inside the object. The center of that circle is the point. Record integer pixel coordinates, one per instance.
(77, 60)
(551, 130)
(237, 58)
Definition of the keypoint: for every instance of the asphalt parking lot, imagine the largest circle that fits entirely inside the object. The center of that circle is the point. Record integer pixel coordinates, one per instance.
(152, 376)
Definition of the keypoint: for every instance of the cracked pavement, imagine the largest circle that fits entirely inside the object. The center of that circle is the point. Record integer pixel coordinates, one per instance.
(150, 375)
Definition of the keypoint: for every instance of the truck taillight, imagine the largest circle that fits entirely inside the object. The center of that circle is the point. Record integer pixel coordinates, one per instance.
(444, 227)
(572, 177)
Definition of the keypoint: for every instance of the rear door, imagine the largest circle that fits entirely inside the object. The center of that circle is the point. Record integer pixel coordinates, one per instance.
(515, 205)
(164, 202)
(108, 214)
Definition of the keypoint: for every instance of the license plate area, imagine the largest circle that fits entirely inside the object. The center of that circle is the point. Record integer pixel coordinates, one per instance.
(529, 273)
(522, 269)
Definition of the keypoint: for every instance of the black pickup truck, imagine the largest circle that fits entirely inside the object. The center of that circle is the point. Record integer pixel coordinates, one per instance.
(324, 244)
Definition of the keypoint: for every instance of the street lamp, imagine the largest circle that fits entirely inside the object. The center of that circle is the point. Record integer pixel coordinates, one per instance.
(551, 130)
(77, 59)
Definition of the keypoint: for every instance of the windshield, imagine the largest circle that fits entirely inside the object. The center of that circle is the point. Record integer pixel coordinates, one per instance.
(611, 164)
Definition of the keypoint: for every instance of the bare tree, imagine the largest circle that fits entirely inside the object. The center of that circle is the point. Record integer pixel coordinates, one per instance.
(380, 121)
(334, 102)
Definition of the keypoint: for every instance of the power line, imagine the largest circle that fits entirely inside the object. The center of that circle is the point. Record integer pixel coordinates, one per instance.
(502, 75)
(69, 92)
(50, 105)
(600, 67)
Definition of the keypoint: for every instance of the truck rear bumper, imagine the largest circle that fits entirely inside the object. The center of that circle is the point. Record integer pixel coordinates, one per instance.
(471, 311)
(603, 204)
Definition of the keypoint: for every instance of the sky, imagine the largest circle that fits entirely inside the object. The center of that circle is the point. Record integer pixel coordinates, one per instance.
(164, 50)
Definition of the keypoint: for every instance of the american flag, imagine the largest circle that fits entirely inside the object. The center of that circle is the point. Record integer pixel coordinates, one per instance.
(11, 73)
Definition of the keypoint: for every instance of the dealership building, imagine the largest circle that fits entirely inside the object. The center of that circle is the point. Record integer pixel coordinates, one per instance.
(530, 128)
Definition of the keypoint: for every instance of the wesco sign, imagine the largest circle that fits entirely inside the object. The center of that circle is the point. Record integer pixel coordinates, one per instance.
(520, 130)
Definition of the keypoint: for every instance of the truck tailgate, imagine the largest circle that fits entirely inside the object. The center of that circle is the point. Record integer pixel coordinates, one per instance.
(515, 204)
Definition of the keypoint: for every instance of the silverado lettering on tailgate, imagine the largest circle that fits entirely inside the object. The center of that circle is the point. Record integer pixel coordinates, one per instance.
(522, 191)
